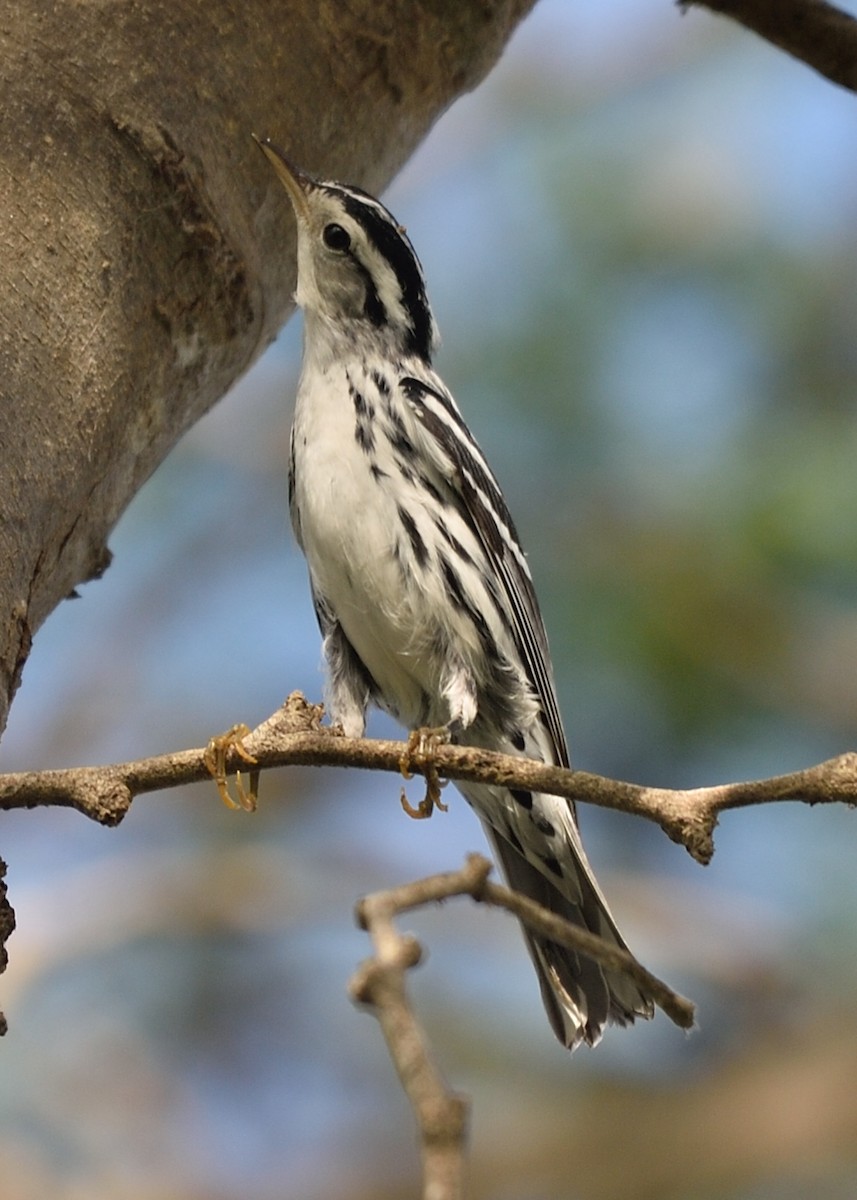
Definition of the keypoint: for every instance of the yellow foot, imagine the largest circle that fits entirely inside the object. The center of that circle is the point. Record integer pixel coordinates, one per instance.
(216, 753)
(422, 744)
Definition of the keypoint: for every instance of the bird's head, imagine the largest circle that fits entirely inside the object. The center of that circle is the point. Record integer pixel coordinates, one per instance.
(355, 262)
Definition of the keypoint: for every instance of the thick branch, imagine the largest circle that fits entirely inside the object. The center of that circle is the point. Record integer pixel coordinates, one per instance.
(147, 250)
(819, 34)
(294, 736)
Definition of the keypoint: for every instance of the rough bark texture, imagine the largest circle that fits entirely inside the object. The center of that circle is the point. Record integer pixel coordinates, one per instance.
(147, 255)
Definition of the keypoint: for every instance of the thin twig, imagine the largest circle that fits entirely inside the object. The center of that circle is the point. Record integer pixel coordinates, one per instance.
(294, 736)
(440, 1113)
(679, 1010)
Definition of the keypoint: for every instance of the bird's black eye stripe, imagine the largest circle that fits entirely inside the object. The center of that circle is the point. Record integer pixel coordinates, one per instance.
(386, 235)
(336, 238)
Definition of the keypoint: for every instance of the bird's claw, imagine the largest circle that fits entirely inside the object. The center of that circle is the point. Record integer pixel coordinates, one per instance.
(216, 753)
(422, 743)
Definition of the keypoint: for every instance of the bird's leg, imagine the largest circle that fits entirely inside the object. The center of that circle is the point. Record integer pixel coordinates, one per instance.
(419, 753)
(216, 753)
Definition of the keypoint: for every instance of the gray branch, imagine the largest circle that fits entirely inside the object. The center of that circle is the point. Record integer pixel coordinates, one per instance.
(441, 1114)
(295, 736)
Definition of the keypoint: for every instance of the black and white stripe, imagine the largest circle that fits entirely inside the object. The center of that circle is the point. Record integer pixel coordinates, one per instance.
(393, 245)
(387, 264)
(422, 590)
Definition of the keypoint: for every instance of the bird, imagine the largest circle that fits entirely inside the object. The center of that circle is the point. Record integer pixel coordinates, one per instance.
(421, 589)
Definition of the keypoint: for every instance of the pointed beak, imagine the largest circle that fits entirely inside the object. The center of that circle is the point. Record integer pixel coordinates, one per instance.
(294, 181)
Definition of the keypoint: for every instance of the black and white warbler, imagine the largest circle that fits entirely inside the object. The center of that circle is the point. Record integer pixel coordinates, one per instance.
(421, 588)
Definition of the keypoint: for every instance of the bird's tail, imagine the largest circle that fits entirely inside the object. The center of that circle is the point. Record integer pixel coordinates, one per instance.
(579, 995)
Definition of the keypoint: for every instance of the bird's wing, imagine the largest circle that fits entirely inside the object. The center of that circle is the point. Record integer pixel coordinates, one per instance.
(481, 504)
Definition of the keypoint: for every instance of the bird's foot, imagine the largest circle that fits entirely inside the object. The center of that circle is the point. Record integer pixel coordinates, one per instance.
(217, 752)
(419, 754)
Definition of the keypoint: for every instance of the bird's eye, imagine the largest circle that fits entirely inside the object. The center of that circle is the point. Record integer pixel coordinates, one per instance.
(336, 238)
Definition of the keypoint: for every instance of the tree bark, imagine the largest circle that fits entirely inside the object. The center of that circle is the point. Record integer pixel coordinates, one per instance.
(147, 254)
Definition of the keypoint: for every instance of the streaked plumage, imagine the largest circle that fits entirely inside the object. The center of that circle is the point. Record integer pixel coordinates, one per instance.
(422, 591)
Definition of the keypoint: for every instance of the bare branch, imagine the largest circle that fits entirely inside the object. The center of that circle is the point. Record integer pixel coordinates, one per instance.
(817, 33)
(294, 736)
(473, 881)
(379, 982)
(441, 1114)
(164, 259)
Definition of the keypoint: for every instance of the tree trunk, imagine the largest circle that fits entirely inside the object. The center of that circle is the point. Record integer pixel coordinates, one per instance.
(148, 255)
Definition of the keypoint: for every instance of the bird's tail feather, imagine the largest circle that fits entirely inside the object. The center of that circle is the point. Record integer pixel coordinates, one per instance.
(579, 995)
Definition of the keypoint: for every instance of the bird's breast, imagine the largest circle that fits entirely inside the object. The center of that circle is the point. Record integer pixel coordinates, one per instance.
(353, 506)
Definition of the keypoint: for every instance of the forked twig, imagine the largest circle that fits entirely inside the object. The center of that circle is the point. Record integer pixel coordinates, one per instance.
(380, 983)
